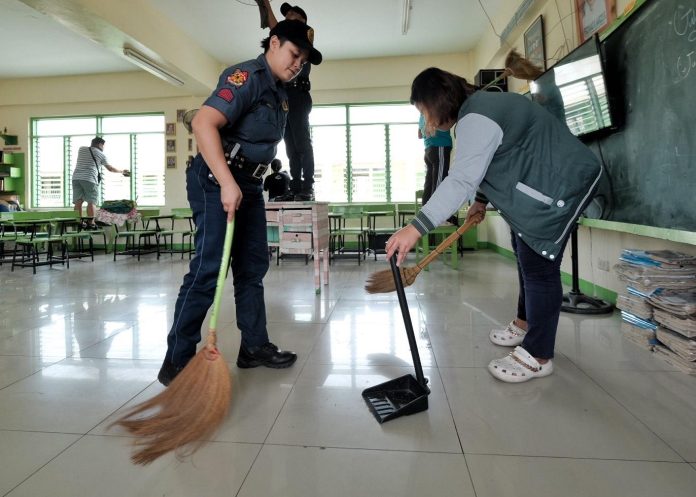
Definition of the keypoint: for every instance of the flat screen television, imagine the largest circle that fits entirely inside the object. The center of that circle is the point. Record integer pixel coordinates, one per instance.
(575, 91)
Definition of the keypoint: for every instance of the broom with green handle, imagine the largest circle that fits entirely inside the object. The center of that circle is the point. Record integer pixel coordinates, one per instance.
(195, 403)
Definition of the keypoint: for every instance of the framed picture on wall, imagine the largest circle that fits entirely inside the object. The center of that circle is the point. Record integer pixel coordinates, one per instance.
(534, 49)
(171, 162)
(171, 129)
(593, 16)
(180, 115)
(171, 145)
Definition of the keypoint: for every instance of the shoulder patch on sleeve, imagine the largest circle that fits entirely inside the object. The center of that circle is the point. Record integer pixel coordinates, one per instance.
(238, 77)
(225, 94)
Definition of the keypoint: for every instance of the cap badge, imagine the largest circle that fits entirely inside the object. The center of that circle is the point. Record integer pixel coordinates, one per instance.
(310, 35)
(238, 78)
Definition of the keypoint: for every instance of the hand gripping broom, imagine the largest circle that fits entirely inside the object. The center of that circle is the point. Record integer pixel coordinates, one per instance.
(383, 281)
(195, 402)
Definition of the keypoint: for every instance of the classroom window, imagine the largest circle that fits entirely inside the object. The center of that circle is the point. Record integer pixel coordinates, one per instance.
(366, 153)
(134, 142)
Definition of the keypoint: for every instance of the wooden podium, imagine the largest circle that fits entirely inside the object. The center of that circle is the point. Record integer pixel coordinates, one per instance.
(301, 228)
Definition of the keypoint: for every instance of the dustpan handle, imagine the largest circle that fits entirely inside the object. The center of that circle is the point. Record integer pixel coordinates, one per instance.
(222, 274)
(407, 321)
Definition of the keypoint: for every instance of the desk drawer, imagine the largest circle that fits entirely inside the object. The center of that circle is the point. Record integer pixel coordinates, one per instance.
(296, 240)
(272, 216)
(297, 217)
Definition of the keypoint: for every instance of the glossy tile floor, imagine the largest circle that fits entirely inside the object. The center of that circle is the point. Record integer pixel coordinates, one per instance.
(79, 346)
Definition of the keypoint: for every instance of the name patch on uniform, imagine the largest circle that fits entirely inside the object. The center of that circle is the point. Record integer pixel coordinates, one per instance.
(285, 105)
(238, 77)
(226, 94)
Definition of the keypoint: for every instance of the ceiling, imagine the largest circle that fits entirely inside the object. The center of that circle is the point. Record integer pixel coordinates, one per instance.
(34, 44)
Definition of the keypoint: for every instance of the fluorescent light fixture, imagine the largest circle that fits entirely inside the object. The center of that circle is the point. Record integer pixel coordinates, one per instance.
(150, 66)
(405, 16)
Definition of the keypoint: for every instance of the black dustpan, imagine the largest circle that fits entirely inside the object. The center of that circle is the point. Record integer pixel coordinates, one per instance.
(404, 395)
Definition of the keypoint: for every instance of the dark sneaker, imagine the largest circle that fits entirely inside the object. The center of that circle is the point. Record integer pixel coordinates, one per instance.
(168, 372)
(266, 355)
(287, 197)
(305, 197)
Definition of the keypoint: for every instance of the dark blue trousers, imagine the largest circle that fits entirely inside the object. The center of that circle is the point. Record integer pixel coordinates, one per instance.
(298, 142)
(540, 298)
(249, 260)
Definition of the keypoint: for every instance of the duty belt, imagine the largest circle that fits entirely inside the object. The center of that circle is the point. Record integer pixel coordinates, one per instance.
(299, 83)
(239, 162)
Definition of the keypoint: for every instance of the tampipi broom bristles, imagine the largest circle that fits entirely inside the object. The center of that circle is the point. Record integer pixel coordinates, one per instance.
(195, 403)
(521, 68)
(383, 281)
(188, 412)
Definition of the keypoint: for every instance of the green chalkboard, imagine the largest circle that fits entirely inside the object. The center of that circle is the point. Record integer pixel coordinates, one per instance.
(650, 63)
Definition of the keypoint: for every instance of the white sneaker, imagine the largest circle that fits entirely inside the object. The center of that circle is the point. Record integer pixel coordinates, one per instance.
(519, 366)
(511, 336)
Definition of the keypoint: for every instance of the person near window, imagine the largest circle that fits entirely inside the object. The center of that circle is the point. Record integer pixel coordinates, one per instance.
(86, 178)
(298, 141)
(277, 183)
(534, 171)
(438, 148)
(237, 130)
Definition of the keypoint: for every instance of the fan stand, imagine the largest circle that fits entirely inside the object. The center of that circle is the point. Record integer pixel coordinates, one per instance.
(575, 301)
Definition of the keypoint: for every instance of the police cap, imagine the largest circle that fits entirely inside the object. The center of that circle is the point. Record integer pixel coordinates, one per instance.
(286, 7)
(301, 35)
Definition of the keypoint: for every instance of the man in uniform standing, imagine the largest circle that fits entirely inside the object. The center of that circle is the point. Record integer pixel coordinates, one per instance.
(298, 142)
(237, 131)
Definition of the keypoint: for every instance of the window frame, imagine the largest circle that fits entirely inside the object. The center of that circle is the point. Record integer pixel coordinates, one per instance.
(68, 167)
(349, 126)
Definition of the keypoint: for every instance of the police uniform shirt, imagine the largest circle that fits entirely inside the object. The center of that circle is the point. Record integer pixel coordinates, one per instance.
(304, 73)
(256, 107)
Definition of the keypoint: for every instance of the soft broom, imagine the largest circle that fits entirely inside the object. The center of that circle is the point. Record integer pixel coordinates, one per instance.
(383, 281)
(195, 403)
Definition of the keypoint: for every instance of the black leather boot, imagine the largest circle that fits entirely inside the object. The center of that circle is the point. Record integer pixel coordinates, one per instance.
(168, 372)
(266, 355)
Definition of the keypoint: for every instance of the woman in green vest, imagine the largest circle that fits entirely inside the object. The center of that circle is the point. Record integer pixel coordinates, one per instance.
(519, 157)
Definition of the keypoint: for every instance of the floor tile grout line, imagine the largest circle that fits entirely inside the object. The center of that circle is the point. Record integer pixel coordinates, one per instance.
(45, 464)
(280, 410)
(449, 405)
(625, 408)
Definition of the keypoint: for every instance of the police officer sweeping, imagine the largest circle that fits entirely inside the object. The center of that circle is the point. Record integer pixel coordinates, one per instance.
(237, 130)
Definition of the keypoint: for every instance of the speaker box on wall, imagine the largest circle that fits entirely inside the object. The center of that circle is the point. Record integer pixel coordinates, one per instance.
(486, 76)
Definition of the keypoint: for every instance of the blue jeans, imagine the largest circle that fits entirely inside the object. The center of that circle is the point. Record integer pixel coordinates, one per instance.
(540, 299)
(249, 260)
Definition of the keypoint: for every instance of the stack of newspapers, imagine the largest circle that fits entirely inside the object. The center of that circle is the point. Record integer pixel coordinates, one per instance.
(675, 314)
(658, 308)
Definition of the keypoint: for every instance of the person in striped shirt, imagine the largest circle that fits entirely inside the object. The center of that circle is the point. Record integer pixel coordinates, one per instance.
(87, 176)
